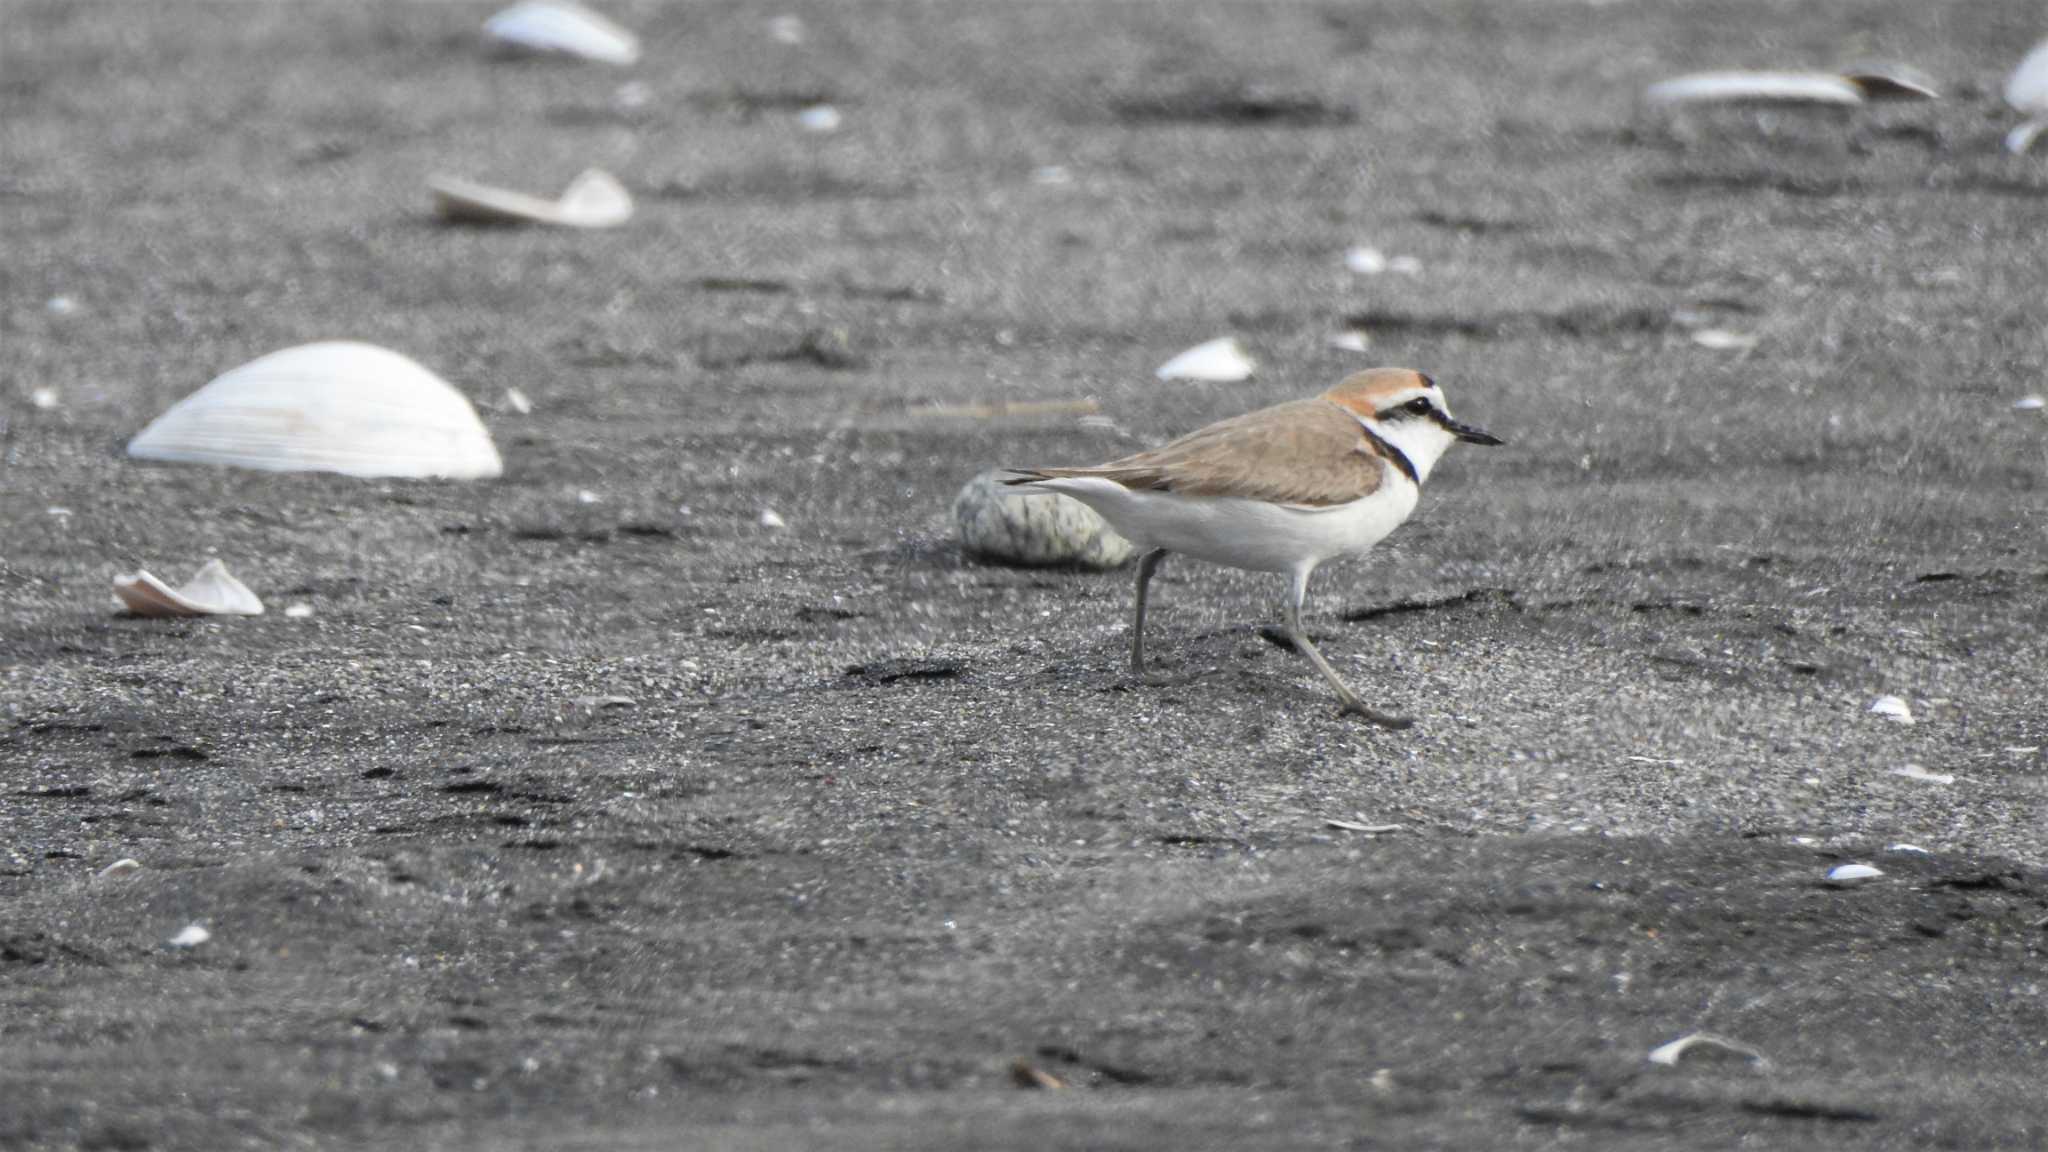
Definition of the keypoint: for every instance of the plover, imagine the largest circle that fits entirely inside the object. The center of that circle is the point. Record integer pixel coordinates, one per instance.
(1282, 489)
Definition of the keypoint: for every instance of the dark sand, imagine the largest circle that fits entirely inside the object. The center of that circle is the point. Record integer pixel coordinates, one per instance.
(883, 822)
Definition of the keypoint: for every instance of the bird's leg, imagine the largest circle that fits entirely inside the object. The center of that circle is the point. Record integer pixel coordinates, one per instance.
(1295, 632)
(1147, 564)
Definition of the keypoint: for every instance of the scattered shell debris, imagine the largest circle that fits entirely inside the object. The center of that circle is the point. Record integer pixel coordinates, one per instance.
(2027, 91)
(190, 936)
(1849, 875)
(1706, 1044)
(1034, 529)
(1892, 708)
(212, 591)
(594, 199)
(1724, 340)
(2033, 403)
(1819, 88)
(337, 406)
(819, 118)
(124, 867)
(563, 28)
(1219, 361)
(1916, 772)
(772, 519)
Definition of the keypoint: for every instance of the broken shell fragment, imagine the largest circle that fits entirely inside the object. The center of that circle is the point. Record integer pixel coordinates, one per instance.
(1724, 340)
(1916, 772)
(593, 200)
(1755, 88)
(1892, 708)
(2027, 91)
(119, 869)
(819, 118)
(1890, 80)
(1847, 875)
(1705, 1044)
(339, 406)
(560, 27)
(1220, 361)
(2020, 140)
(210, 592)
(1353, 340)
(2029, 404)
(190, 936)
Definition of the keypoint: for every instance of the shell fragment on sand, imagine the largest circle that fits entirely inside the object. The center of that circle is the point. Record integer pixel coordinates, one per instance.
(1755, 88)
(1706, 1044)
(593, 200)
(1891, 80)
(1034, 529)
(121, 869)
(1220, 361)
(2029, 404)
(190, 936)
(1916, 772)
(1848, 875)
(820, 118)
(339, 406)
(212, 591)
(1724, 340)
(1892, 708)
(561, 28)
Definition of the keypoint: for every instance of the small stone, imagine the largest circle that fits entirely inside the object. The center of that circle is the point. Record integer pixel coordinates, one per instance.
(119, 869)
(1848, 875)
(1892, 708)
(190, 936)
(1034, 529)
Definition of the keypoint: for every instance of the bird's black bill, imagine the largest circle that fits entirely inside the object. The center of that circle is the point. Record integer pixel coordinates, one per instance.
(1471, 435)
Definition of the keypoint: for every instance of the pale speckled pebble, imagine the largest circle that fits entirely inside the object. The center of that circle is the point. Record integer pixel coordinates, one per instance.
(1035, 529)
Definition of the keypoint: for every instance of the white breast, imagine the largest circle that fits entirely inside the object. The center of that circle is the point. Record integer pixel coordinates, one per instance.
(1249, 534)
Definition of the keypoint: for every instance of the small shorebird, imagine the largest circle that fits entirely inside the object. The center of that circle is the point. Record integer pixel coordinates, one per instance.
(1282, 489)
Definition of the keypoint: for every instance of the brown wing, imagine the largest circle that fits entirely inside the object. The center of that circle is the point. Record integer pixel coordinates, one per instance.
(1305, 452)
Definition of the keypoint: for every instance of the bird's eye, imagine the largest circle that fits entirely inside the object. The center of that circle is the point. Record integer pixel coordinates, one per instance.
(1419, 405)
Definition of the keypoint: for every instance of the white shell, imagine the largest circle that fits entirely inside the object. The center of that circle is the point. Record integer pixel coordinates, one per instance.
(1221, 361)
(2029, 404)
(569, 29)
(1892, 708)
(210, 592)
(341, 407)
(1366, 261)
(593, 200)
(1916, 772)
(770, 518)
(819, 118)
(190, 936)
(125, 866)
(45, 398)
(1707, 1043)
(1755, 88)
(1724, 340)
(1847, 874)
(298, 611)
(1351, 341)
(2020, 140)
(2027, 88)
(1907, 849)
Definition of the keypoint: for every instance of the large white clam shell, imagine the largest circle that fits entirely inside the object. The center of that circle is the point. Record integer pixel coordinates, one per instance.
(1221, 361)
(2027, 88)
(565, 28)
(1755, 88)
(338, 406)
(593, 200)
(213, 591)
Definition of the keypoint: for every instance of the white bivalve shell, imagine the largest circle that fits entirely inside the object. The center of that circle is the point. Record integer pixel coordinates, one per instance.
(593, 200)
(2027, 91)
(213, 591)
(563, 28)
(339, 406)
(1220, 361)
(1755, 88)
